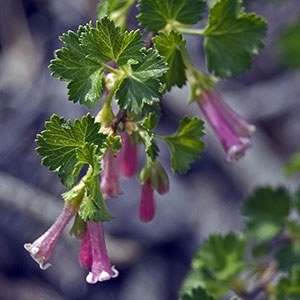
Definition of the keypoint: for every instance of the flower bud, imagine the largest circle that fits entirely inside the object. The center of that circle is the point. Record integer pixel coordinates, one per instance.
(109, 184)
(147, 204)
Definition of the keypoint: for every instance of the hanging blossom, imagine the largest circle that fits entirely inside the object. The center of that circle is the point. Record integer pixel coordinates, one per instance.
(110, 183)
(41, 249)
(147, 204)
(93, 254)
(153, 177)
(233, 132)
(127, 156)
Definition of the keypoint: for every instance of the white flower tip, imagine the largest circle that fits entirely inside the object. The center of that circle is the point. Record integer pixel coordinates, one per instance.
(44, 266)
(236, 152)
(115, 272)
(92, 279)
(33, 250)
(251, 128)
(104, 276)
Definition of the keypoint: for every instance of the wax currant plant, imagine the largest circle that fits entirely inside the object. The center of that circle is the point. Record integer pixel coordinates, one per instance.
(105, 64)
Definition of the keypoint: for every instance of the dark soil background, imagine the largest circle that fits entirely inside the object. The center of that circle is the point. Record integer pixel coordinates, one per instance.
(152, 258)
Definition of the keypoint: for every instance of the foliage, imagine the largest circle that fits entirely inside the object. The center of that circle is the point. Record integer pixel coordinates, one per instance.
(231, 263)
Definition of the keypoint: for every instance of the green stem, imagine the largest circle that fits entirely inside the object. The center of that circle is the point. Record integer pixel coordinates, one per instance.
(191, 31)
(186, 59)
(158, 136)
(110, 69)
(197, 79)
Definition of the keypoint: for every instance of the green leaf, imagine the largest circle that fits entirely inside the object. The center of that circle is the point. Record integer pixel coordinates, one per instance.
(107, 43)
(150, 121)
(143, 84)
(150, 146)
(289, 288)
(78, 228)
(266, 211)
(168, 47)
(66, 148)
(217, 263)
(297, 200)
(155, 14)
(75, 195)
(293, 166)
(117, 10)
(197, 294)
(185, 145)
(231, 38)
(290, 48)
(288, 255)
(85, 75)
(114, 143)
(93, 206)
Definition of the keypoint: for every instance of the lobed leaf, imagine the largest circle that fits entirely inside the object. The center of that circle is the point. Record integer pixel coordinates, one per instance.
(167, 46)
(266, 211)
(231, 38)
(85, 75)
(143, 84)
(185, 145)
(155, 14)
(66, 147)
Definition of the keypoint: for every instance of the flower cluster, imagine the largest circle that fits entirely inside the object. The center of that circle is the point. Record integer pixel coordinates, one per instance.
(93, 253)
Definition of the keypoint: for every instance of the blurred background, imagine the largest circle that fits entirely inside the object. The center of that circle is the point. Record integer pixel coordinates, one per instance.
(152, 258)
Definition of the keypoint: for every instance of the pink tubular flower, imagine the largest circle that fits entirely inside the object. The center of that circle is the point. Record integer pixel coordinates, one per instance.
(233, 132)
(127, 156)
(85, 255)
(93, 254)
(110, 185)
(147, 204)
(42, 248)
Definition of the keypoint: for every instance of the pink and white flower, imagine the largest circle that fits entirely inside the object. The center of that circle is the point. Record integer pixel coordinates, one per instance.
(233, 132)
(110, 184)
(93, 254)
(41, 249)
(147, 203)
(127, 156)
